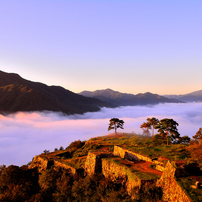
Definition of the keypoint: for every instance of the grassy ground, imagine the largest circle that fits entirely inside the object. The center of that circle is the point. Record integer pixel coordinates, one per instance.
(186, 182)
(76, 157)
(143, 145)
(135, 169)
(171, 152)
(137, 143)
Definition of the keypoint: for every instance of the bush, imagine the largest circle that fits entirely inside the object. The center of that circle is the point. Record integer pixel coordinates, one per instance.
(61, 148)
(74, 146)
(78, 144)
(18, 183)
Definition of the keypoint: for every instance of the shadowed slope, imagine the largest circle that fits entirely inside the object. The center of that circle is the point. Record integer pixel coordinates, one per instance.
(18, 94)
(123, 99)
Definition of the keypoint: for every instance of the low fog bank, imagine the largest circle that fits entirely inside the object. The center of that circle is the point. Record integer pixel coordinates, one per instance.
(24, 135)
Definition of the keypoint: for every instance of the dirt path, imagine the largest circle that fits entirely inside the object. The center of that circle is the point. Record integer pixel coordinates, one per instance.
(142, 166)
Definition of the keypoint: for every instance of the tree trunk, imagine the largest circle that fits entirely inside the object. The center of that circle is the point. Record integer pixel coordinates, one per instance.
(152, 131)
(167, 137)
(115, 127)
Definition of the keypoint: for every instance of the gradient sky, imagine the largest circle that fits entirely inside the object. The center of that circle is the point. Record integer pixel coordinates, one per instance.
(130, 46)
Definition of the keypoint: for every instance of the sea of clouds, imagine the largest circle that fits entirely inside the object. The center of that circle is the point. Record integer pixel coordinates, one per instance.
(24, 135)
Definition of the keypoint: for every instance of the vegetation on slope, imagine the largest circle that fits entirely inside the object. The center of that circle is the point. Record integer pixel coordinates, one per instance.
(56, 184)
(18, 94)
(116, 98)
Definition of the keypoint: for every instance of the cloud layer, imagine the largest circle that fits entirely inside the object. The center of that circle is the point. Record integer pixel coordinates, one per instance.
(24, 135)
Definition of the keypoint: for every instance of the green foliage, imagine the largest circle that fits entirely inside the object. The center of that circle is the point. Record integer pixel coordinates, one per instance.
(115, 123)
(58, 185)
(17, 183)
(198, 136)
(46, 151)
(77, 162)
(184, 140)
(172, 152)
(124, 139)
(153, 166)
(47, 179)
(168, 128)
(196, 152)
(146, 127)
(23, 184)
(61, 148)
(83, 151)
(63, 188)
(185, 183)
(132, 173)
(74, 146)
(150, 193)
(152, 122)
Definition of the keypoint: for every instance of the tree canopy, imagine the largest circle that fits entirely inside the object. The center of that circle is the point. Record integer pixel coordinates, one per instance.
(115, 123)
(168, 128)
(145, 126)
(152, 122)
(198, 136)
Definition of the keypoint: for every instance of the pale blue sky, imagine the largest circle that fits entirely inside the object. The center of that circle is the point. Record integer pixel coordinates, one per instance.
(129, 46)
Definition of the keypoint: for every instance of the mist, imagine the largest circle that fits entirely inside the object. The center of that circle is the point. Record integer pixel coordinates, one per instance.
(24, 135)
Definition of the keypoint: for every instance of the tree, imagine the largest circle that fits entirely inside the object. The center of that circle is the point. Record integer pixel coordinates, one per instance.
(145, 127)
(198, 136)
(152, 122)
(17, 183)
(196, 152)
(184, 140)
(115, 123)
(168, 127)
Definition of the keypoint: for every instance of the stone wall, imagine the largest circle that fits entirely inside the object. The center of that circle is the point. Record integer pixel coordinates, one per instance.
(97, 162)
(93, 162)
(115, 171)
(39, 162)
(132, 156)
(160, 168)
(43, 163)
(171, 190)
(65, 166)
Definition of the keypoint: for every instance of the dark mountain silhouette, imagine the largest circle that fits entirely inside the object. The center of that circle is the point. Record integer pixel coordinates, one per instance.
(18, 94)
(123, 99)
(195, 96)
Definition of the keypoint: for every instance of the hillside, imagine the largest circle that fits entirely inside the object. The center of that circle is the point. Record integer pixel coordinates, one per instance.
(195, 96)
(123, 99)
(128, 159)
(125, 167)
(18, 94)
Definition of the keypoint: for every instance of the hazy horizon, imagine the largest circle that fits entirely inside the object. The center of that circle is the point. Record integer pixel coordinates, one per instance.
(140, 92)
(24, 135)
(109, 88)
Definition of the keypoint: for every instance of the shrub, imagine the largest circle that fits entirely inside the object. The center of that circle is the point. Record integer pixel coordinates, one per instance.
(61, 148)
(74, 146)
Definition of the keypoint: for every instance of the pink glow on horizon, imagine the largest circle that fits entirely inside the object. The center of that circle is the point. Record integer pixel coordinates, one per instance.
(24, 135)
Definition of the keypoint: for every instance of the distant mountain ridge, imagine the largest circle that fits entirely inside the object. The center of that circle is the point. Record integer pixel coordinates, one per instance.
(18, 94)
(123, 99)
(195, 96)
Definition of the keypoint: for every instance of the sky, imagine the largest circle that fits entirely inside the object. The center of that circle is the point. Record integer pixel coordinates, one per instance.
(24, 135)
(130, 46)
